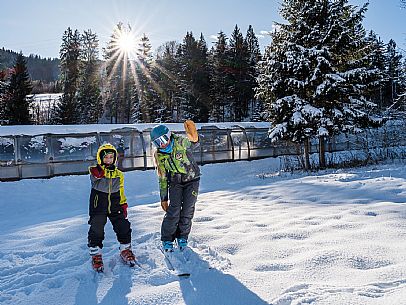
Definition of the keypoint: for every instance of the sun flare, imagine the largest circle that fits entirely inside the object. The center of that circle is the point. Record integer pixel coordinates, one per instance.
(126, 42)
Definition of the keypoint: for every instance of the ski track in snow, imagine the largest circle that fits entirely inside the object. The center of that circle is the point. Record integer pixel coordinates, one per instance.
(335, 237)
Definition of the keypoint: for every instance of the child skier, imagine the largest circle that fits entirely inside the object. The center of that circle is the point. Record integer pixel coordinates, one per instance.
(107, 200)
(179, 174)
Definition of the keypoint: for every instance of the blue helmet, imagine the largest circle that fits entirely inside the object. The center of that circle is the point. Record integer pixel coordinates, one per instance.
(160, 136)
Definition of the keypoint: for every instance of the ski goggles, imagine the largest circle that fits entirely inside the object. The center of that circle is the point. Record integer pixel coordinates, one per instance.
(162, 141)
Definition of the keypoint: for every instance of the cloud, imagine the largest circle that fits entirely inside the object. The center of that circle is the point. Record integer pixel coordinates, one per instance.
(213, 37)
(264, 33)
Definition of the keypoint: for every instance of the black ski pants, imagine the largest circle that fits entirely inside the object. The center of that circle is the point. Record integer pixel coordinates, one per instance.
(177, 221)
(98, 212)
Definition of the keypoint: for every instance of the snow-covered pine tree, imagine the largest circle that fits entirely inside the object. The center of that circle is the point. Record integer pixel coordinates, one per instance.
(16, 104)
(88, 96)
(394, 74)
(402, 83)
(377, 60)
(67, 111)
(314, 72)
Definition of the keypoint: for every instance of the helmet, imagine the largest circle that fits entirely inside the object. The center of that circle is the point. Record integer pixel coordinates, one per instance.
(160, 136)
(105, 149)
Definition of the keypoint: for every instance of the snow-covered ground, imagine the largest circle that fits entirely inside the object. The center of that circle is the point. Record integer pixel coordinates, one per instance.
(259, 237)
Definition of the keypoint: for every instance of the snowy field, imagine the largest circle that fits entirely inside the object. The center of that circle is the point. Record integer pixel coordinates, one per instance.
(259, 237)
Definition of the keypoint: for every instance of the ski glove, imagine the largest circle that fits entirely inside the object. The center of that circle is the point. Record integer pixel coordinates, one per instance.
(164, 205)
(97, 171)
(191, 131)
(125, 206)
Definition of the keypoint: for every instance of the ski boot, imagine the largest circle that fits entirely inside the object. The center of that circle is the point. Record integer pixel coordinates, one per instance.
(97, 260)
(182, 243)
(167, 246)
(127, 255)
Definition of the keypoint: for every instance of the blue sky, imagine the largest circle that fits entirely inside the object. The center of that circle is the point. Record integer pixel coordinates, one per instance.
(37, 26)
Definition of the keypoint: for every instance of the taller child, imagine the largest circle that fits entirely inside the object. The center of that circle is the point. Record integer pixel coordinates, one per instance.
(179, 177)
(107, 200)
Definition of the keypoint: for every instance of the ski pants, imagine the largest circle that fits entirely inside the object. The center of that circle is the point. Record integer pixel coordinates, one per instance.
(177, 221)
(121, 227)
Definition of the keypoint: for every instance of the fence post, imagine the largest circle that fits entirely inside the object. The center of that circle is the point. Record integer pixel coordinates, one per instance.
(144, 150)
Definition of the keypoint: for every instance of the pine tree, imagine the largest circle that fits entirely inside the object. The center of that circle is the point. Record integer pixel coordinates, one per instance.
(89, 97)
(168, 80)
(314, 74)
(239, 72)
(394, 72)
(117, 80)
(377, 60)
(187, 107)
(220, 79)
(3, 86)
(201, 80)
(148, 91)
(255, 56)
(68, 110)
(16, 103)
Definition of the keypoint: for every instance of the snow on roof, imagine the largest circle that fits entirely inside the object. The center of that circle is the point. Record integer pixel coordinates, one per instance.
(91, 128)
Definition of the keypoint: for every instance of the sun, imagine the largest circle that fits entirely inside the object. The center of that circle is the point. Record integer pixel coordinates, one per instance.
(126, 42)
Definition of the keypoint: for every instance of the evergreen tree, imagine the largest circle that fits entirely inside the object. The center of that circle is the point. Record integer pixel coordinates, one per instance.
(168, 80)
(402, 83)
(315, 72)
(187, 56)
(377, 60)
(16, 103)
(201, 80)
(3, 86)
(68, 110)
(89, 96)
(220, 79)
(394, 73)
(118, 84)
(254, 53)
(148, 91)
(240, 90)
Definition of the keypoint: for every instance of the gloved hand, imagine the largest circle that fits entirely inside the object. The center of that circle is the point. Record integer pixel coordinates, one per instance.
(124, 206)
(191, 131)
(165, 205)
(97, 171)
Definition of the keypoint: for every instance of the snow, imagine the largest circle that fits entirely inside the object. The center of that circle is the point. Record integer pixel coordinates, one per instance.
(69, 129)
(259, 237)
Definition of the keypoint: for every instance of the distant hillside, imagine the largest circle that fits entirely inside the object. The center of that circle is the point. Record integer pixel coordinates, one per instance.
(43, 69)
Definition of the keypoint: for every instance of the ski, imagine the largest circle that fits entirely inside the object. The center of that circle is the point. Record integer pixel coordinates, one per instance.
(176, 262)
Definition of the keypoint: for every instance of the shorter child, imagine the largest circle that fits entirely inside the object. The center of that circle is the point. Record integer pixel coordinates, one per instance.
(107, 200)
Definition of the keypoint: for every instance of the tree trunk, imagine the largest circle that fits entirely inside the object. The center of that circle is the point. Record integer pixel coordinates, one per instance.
(306, 155)
(322, 152)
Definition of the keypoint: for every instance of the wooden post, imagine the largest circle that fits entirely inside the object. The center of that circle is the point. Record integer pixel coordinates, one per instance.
(306, 155)
(322, 152)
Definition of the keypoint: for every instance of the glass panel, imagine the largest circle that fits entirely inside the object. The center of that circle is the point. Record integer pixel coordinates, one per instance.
(260, 139)
(33, 149)
(7, 156)
(74, 148)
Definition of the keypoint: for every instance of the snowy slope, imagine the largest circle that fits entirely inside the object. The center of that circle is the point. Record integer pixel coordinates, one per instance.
(259, 237)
